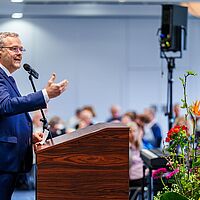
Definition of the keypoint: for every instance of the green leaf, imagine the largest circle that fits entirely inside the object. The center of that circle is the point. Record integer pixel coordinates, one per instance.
(196, 164)
(172, 196)
(184, 105)
(191, 73)
(182, 80)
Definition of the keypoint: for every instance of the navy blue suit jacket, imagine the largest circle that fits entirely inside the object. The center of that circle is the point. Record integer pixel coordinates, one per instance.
(16, 125)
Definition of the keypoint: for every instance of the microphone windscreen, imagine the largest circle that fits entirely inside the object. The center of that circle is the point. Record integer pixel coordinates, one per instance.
(27, 67)
(31, 71)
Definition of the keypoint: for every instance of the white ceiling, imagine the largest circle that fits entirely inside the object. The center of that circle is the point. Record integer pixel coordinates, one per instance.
(65, 8)
(114, 1)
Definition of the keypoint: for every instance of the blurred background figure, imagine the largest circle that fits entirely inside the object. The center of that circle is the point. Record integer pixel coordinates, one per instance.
(177, 110)
(180, 121)
(87, 115)
(152, 132)
(142, 120)
(73, 121)
(91, 109)
(128, 117)
(135, 161)
(37, 123)
(56, 127)
(115, 111)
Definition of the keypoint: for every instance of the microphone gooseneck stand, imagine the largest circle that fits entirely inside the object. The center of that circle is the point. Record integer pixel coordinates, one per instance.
(169, 113)
(44, 119)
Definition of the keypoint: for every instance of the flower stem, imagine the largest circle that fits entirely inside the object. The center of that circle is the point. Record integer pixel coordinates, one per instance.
(164, 183)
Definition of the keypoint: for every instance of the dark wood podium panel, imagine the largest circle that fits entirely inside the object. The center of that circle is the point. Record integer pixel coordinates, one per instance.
(88, 164)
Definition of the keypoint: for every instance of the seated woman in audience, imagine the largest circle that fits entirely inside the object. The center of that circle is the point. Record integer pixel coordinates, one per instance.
(86, 117)
(128, 117)
(135, 161)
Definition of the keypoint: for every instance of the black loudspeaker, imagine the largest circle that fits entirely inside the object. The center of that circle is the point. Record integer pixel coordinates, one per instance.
(174, 21)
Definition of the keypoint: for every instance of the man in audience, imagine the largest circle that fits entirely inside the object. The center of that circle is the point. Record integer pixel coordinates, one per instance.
(15, 123)
(115, 114)
(152, 132)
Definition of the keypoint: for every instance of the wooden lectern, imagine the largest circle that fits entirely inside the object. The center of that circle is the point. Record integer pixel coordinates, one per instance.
(88, 164)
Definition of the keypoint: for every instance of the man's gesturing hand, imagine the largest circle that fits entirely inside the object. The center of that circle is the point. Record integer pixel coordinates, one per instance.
(55, 89)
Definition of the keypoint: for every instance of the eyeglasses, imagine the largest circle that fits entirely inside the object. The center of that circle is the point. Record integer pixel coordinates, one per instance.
(15, 49)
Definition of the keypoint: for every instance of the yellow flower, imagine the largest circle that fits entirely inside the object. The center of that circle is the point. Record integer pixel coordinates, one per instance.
(195, 108)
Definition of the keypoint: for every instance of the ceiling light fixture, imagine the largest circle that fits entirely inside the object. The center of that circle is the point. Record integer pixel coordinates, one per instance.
(17, 15)
(16, 1)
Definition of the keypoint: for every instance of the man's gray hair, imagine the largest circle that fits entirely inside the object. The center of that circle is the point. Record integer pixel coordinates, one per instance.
(4, 35)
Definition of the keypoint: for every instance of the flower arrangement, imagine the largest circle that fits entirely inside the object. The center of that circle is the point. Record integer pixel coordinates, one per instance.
(181, 147)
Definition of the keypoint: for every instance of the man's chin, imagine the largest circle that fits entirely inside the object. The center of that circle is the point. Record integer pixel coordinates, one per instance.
(18, 65)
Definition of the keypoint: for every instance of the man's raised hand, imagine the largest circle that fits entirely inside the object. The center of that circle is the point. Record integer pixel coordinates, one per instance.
(55, 89)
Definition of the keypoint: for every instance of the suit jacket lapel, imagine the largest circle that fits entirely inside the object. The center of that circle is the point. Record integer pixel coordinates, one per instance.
(10, 82)
(14, 87)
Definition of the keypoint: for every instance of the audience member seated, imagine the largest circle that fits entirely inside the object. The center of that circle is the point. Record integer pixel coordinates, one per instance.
(73, 121)
(86, 117)
(142, 120)
(177, 110)
(135, 161)
(180, 121)
(128, 117)
(115, 114)
(57, 127)
(91, 109)
(152, 132)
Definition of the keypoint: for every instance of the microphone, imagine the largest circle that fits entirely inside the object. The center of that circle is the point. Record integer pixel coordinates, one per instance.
(31, 71)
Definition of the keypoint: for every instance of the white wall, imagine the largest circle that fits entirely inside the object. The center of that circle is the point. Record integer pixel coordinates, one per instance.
(106, 60)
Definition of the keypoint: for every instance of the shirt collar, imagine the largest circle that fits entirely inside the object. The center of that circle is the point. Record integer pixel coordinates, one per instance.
(5, 70)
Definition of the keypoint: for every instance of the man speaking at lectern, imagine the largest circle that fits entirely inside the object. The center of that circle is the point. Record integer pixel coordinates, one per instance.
(16, 135)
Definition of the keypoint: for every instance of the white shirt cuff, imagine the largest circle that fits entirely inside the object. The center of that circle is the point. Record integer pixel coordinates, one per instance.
(46, 97)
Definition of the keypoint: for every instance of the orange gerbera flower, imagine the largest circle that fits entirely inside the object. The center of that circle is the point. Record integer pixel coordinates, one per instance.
(195, 108)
